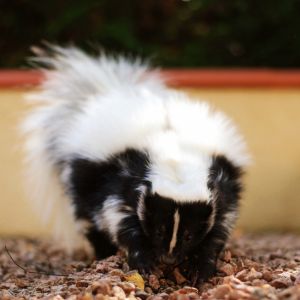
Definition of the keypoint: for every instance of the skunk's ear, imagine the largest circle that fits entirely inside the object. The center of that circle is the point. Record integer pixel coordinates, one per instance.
(224, 176)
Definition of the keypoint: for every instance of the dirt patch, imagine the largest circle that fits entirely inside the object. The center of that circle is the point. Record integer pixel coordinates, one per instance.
(252, 267)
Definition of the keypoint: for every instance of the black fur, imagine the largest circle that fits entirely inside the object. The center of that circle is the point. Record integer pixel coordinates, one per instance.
(92, 182)
(203, 228)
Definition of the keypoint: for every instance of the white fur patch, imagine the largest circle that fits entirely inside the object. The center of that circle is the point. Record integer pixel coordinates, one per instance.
(175, 231)
(65, 175)
(110, 216)
(205, 130)
(176, 172)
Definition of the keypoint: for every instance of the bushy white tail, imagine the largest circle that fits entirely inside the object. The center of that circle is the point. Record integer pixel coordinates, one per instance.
(71, 77)
(45, 191)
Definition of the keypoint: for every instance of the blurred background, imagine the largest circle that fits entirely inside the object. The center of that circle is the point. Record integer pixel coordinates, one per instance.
(194, 33)
(260, 38)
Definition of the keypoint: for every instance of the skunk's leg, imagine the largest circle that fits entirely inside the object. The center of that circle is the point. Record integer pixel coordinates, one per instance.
(101, 243)
(132, 237)
(203, 260)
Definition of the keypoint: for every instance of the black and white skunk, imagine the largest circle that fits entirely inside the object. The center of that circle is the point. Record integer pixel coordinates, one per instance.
(117, 156)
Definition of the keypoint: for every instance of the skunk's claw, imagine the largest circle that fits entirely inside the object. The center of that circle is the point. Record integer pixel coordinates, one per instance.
(141, 261)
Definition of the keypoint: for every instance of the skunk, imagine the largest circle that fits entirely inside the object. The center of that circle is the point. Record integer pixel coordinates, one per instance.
(117, 158)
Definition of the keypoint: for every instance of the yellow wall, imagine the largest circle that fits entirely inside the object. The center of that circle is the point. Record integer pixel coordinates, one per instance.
(270, 120)
(16, 216)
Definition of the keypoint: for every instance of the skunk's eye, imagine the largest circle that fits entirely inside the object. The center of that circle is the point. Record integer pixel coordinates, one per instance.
(187, 236)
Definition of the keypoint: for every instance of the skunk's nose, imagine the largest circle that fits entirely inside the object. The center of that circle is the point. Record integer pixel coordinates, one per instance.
(168, 259)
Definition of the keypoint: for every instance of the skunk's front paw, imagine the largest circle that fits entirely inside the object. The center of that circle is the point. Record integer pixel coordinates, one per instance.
(198, 271)
(143, 261)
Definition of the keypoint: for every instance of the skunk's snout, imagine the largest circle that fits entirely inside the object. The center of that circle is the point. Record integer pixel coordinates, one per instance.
(168, 259)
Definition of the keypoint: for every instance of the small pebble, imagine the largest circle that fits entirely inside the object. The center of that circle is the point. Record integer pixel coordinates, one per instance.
(119, 293)
(221, 291)
(188, 289)
(154, 282)
(148, 290)
(227, 256)
(297, 280)
(178, 276)
(127, 287)
(280, 283)
(101, 287)
(142, 295)
(227, 269)
(86, 296)
(238, 295)
(154, 297)
(82, 284)
(164, 296)
(253, 274)
(116, 272)
(125, 268)
(267, 275)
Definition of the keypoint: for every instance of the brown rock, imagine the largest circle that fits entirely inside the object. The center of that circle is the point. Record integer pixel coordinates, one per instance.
(148, 290)
(165, 296)
(102, 267)
(101, 287)
(86, 296)
(180, 279)
(267, 275)
(58, 297)
(21, 283)
(228, 269)
(125, 267)
(169, 290)
(73, 297)
(292, 293)
(82, 284)
(221, 291)
(238, 294)
(103, 297)
(242, 275)
(253, 274)
(194, 296)
(249, 263)
(142, 295)
(127, 287)
(297, 280)
(154, 297)
(281, 283)
(177, 296)
(154, 282)
(258, 282)
(116, 272)
(183, 297)
(231, 280)
(188, 290)
(227, 256)
(163, 282)
(119, 293)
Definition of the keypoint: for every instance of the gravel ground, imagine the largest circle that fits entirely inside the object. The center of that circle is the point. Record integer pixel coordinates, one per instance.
(252, 267)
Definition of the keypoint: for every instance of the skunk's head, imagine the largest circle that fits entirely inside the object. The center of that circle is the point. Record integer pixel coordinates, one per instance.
(175, 229)
(176, 226)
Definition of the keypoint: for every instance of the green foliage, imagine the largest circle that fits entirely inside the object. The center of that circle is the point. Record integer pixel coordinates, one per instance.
(177, 33)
